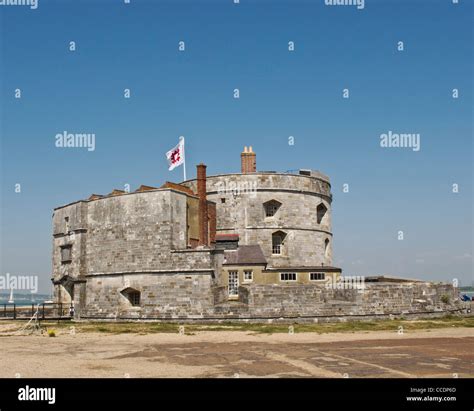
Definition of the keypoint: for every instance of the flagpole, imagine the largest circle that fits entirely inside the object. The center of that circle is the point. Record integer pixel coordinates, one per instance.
(184, 158)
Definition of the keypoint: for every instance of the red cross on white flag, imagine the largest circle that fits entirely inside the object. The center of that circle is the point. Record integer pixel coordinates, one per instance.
(176, 155)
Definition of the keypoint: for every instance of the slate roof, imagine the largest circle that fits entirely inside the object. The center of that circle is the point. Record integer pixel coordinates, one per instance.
(245, 254)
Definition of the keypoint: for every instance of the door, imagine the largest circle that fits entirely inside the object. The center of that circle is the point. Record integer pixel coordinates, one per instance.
(233, 284)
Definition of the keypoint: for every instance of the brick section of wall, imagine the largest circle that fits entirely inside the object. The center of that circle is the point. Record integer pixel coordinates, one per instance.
(248, 161)
(203, 212)
(212, 214)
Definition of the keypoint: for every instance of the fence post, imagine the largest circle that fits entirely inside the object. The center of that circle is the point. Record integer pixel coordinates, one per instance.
(14, 311)
(43, 311)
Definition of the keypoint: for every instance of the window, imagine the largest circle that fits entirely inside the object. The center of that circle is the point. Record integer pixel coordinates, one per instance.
(134, 298)
(66, 223)
(233, 283)
(287, 276)
(326, 247)
(66, 253)
(132, 295)
(321, 212)
(222, 200)
(317, 276)
(248, 275)
(271, 207)
(277, 242)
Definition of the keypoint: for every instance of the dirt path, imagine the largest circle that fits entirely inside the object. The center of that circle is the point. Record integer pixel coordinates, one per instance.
(433, 353)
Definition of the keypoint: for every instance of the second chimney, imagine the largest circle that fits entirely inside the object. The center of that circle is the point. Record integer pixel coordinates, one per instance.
(248, 161)
(203, 212)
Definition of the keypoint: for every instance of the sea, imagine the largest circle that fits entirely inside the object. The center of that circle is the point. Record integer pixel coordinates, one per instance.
(25, 299)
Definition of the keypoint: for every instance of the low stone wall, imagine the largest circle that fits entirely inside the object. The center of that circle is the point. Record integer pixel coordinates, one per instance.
(163, 295)
(375, 299)
(195, 297)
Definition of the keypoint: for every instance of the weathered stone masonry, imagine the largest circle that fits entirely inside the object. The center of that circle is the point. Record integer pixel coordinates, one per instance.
(245, 246)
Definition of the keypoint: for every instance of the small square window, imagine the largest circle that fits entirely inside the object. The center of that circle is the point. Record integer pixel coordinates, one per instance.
(222, 200)
(248, 275)
(66, 254)
(287, 276)
(317, 276)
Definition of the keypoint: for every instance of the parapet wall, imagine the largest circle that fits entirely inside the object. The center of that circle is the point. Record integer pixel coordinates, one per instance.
(374, 300)
(195, 297)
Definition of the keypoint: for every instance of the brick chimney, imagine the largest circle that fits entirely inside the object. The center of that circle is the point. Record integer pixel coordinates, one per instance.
(203, 212)
(248, 161)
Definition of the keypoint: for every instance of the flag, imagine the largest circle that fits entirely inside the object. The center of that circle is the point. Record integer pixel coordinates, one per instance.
(176, 155)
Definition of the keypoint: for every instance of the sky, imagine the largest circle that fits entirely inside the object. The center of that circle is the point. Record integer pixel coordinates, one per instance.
(282, 93)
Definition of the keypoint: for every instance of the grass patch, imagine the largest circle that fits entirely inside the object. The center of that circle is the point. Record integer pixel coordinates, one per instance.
(189, 329)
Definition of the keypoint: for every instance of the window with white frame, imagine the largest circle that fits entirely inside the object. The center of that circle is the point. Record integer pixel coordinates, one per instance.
(287, 276)
(317, 276)
(233, 284)
(248, 275)
(277, 242)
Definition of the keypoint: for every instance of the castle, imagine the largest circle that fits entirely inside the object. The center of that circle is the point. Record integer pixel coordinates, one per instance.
(248, 245)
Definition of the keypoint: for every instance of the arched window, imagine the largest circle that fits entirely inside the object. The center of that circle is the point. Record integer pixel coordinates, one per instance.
(277, 242)
(326, 247)
(321, 211)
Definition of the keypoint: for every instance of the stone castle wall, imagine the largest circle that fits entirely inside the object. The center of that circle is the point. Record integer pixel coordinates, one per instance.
(239, 200)
(138, 232)
(164, 296)
(196, 297)
(118, 235)
(375, 299)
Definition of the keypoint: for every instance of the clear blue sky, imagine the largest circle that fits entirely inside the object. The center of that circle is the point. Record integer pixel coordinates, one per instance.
(282, 93)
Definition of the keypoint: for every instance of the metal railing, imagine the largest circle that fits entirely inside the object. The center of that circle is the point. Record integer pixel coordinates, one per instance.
(45, 311)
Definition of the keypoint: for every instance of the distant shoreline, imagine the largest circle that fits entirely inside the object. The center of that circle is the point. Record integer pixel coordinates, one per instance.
(24, 300)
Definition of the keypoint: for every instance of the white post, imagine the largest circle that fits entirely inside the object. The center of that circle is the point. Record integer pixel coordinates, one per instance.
(184, 158)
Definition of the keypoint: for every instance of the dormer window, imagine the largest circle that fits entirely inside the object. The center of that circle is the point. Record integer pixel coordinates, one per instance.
(271, 207)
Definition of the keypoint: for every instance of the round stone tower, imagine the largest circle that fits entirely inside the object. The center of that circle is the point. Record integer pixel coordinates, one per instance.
(287, 214)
